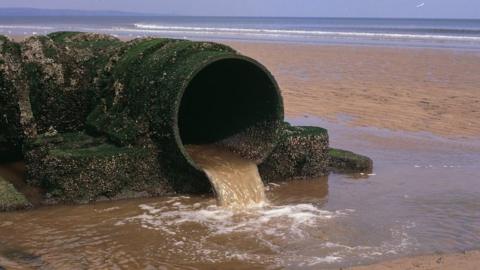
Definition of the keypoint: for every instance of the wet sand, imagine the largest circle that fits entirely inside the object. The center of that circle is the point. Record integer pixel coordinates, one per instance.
(442, 170)
(463, 261)
(405, 89)
(409, 89)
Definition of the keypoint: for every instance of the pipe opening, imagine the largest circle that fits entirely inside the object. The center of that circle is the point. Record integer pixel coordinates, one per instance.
(226, 98)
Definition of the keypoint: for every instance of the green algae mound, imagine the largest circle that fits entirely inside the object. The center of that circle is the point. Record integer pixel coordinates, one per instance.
(301, 152)
(16, 117)
(61, 69)
(76, 167)
(10, 198)
(343, 161)
(48, 82)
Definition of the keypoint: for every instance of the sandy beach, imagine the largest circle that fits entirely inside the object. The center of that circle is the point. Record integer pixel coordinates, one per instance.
(406, 89)
(431, 91)
(464, 261)
(403, 89)
(410, 89)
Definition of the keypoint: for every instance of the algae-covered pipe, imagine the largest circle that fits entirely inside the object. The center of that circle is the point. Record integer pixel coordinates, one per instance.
(61, 69)
(16, 118)
(177, 92)
(148, 92)
(48, 83)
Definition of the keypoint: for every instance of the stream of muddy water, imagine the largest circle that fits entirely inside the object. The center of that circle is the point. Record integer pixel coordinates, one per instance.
(422, 197)
(236, 181)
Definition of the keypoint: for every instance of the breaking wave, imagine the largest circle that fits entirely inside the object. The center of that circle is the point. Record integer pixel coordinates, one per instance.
(157, 28)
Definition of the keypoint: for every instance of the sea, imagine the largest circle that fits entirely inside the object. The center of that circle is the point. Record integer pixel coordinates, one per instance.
(436, 33)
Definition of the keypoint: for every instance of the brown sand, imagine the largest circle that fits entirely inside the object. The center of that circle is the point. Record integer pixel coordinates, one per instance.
(463, 261)
(408, 89)
(411, 89)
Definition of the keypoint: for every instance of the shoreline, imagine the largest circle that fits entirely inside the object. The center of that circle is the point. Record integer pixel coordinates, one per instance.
(332, 42)
(400, 89)
(469, 260)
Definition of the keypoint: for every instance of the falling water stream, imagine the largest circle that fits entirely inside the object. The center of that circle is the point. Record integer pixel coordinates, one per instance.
(236, 180)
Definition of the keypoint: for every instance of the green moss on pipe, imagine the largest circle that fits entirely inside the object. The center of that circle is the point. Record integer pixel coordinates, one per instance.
(75, 167)
(16, 117)
(160, 92)
(149, 81)
(10, 198)
(62, 69)
(302, 152)
(343, 161)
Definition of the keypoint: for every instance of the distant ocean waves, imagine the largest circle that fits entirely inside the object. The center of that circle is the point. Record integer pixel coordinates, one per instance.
(397, 32)
(191, 30)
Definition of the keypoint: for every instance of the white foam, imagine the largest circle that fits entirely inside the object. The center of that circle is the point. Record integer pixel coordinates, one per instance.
(400, 242)
(26, 27)
(269, 227)
(6, 223)
(196, 229)
(284, 32)
(437, 166)
(326, 259)
(110, 209)
(269, 220)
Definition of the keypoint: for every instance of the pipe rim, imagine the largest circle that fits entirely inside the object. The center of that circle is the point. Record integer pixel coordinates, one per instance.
(192, 75)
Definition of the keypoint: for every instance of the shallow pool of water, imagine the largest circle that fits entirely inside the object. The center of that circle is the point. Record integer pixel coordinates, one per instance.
(422, 197)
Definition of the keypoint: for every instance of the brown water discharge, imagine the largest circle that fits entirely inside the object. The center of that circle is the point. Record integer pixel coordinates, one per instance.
(236, 180)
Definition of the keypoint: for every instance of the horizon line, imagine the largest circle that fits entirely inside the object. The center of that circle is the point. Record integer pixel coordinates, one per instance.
(143, 14)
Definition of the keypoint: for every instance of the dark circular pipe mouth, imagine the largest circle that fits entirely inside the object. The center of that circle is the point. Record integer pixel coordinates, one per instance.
(225, 97)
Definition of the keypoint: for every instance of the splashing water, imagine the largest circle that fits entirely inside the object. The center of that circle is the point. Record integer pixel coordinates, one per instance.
(203, 232)
(236, 180)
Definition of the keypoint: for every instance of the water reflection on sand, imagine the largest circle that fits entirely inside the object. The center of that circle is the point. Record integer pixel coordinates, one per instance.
(421, 198)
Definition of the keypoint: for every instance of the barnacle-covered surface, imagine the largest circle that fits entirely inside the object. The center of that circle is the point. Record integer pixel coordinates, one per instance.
(343, 161)
(48, 82)
(16, 117)
(301, 152)
(10, 198)
(75, 167)
(145, 84)
(62, 69)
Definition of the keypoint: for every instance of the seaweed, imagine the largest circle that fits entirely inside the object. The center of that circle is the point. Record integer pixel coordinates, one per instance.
(10, 198)
(75, 167)
(301, 152)
(343, 161)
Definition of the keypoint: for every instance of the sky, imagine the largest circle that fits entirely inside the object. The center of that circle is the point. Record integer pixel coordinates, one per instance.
(296, 8)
